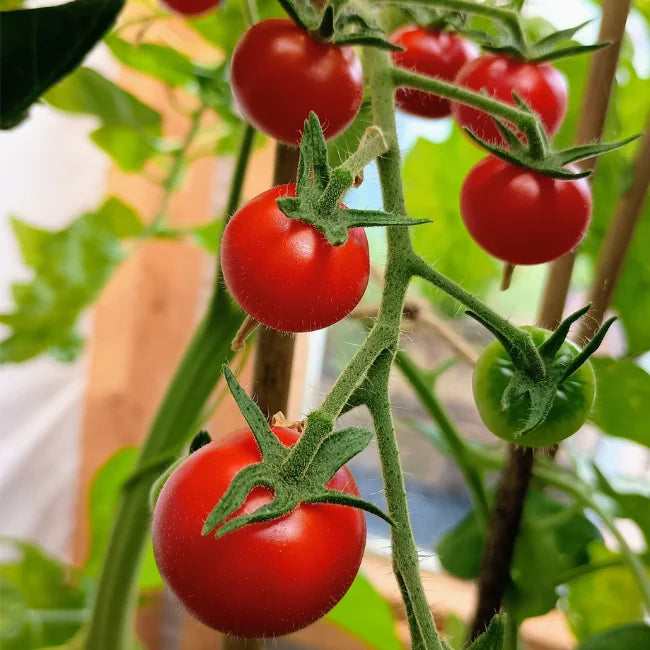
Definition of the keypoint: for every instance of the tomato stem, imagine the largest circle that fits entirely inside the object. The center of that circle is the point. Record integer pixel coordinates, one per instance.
(111, 620)
(526, 121)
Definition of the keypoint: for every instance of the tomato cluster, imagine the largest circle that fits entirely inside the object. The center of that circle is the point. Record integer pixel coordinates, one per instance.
(516, 215)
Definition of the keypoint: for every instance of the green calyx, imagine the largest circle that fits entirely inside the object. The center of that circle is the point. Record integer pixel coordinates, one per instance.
(541, 391)
(292, 483)
(538, 155)
(558, 45)
(340, 22)
(320, 187)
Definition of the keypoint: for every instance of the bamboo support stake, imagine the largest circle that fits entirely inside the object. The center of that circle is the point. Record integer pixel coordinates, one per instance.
(595, 101)
(498, 549)
(617, 241)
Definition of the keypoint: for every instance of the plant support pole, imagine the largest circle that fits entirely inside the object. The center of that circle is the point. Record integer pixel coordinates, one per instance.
(595, 102)
(498, 550)
(274, 353)
(617, 241)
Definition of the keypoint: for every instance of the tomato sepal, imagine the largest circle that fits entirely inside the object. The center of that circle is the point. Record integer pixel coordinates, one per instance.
(320, 187)
(550, 163)
(541, 392)
(290, 485)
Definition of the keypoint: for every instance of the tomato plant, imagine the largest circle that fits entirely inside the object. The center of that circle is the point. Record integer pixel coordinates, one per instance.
(572, 404)
(266, 579)
(191, 7)
(541, 86)
(523, 217)
(279, 73)
(434, 53)
(261, 532)
(316, 284)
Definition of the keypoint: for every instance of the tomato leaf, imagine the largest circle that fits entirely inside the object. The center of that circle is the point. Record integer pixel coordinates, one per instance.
(336, 450)
(622, 399)
(158, 61)
(70, 267)
(40, 46)
(33, 586)
(492, 638)
(634, 636)
(548, 545)
(364, 614)
(130, 130)
(602, 599)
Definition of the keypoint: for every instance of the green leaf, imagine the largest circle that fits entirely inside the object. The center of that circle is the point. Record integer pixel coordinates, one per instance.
(103, 500)
(622, 399)
(632, 499)
(130, 130)
(492, 638)
(635, 636)
(43, 601)
(364, 614)
(552, 540)
(70, 268)
(40, 46)
(602, 599)
(159, 61)
(433, 175)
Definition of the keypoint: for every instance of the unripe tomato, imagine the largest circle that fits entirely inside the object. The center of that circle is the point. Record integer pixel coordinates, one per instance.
(521, 216)
(266, 579)
(285, 273)
(432, 53)
(574, 398)
(279, 73)
(540, 85)
(191, 7)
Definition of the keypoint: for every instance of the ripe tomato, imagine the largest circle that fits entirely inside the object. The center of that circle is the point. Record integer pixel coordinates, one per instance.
(266, 579)
(284, 273)
(573, 400)
(435, 54)
(279, 73)
(541, 86)
(191, 7)
(523, 217)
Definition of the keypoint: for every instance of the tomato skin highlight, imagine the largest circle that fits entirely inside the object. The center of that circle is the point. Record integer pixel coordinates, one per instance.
(266, 579)
(573, 402)
(432, 53)
(285, 273)
(541, 86)
(190, 7)
(521, 216)
(279, 73)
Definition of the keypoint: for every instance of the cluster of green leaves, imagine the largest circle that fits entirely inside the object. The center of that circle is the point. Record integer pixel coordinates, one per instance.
(45, 602)
(72, 265)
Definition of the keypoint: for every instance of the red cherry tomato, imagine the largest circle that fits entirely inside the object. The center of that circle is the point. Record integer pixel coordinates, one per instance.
(432, 53)
(265, 579)
(541, 86)
(279, 73)
(190, 7)
(523, 217)
(284, 273)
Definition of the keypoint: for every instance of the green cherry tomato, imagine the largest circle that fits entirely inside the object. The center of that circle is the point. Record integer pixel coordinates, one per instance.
(573, 399)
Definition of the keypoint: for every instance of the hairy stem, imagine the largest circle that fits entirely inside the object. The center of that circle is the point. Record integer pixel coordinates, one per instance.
(508, 17)
(524, 120)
